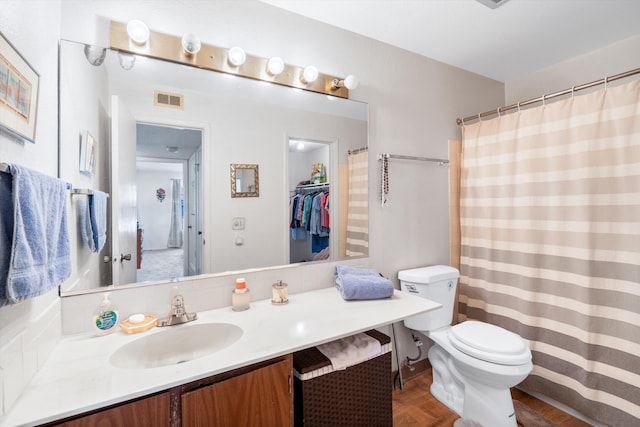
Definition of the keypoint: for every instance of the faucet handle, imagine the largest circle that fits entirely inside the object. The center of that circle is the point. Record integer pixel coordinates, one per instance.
(178, 305)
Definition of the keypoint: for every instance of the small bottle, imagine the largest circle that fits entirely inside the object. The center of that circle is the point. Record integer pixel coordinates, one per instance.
(240, 297)
(106, 318)
(279, 293)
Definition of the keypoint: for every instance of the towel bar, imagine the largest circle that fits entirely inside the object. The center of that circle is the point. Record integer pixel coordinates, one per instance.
(6, 168)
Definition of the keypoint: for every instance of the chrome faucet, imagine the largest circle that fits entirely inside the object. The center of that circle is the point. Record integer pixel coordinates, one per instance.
(178, 313)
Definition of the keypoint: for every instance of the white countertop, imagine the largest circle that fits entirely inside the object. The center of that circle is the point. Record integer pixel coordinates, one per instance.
(78, 377)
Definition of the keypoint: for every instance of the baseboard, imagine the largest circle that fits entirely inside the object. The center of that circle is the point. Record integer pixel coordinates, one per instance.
(419, 368)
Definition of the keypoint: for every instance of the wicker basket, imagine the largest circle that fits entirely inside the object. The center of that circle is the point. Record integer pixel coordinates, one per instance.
(357, 396)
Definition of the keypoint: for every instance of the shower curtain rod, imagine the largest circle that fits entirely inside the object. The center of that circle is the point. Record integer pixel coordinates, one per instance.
(543, 98)
(422, 159)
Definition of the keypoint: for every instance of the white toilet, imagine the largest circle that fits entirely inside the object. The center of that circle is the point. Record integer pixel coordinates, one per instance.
(474, 363)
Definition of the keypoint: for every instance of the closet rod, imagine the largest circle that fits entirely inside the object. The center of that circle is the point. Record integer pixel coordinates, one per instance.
(552, 95)
(422, 159)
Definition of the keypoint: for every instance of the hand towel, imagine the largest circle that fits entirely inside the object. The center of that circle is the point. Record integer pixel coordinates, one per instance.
(351, 350)
(39, 257)
(362, 283)
(98, 216)
(84, 217)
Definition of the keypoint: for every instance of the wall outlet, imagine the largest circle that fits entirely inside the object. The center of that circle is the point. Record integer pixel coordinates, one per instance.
(237, 223)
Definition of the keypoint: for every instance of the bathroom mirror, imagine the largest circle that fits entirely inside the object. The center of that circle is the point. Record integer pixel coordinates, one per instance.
(245, 180)
(156, 123)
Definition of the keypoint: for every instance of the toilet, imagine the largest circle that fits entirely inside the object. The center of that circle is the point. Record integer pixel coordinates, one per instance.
(474, 363)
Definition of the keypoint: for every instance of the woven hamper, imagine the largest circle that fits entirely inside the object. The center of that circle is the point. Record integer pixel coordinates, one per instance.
(357, 396)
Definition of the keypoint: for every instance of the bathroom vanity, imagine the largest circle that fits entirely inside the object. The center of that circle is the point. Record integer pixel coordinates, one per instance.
(79, 382)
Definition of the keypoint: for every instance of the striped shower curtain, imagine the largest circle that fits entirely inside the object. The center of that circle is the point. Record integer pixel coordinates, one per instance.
(358, 205)
(550, 244)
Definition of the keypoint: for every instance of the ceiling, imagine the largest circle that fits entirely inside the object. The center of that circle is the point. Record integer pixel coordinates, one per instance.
(506, 43)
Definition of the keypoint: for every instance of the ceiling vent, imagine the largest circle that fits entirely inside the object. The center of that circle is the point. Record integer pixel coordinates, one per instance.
(493, 3)
(166, 99)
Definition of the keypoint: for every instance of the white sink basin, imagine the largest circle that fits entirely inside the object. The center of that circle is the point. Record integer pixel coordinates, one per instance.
(175, 344)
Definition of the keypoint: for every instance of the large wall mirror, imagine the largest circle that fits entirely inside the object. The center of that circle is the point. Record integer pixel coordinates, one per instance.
(165, 135)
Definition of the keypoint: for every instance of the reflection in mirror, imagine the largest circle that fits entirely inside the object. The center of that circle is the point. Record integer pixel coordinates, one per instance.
(233, 118)
(245, 180)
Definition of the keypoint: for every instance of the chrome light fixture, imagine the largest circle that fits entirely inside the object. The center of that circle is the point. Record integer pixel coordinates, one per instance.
(138, 31)
(94, 54)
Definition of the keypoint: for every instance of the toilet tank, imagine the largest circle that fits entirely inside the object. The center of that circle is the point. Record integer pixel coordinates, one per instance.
(436, 283)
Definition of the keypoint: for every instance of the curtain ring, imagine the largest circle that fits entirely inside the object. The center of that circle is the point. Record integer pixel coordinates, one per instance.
(518, 106)
(498, 112)
(606, 82)
(573, 91)
(544, 100)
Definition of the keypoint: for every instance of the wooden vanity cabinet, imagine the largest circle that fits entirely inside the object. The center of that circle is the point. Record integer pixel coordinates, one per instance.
(260, 396)
(153, 411)
(257, 395)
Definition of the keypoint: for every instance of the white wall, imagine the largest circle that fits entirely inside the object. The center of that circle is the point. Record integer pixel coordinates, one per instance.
(30, 330)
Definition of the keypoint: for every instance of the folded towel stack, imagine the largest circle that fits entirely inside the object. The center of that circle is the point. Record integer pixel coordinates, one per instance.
(34, 239)
(351, 350)
(362, 283)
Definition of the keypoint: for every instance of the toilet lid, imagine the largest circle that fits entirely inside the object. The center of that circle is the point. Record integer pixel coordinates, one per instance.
(490, 343)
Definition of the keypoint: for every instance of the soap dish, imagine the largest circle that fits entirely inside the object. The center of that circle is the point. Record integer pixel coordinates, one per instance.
(138, 323)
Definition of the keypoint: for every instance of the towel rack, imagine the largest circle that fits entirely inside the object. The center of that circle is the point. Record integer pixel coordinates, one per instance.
(83, 192)
(6, 168)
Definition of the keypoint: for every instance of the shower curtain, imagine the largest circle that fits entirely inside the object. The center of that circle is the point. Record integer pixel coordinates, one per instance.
(175, 229)
(550, 244)
(358, 205)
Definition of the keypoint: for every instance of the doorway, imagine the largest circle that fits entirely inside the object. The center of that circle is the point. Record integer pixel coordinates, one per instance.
(168, 185)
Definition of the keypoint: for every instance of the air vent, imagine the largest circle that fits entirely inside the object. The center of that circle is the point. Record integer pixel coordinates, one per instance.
(493, 3)
(166, 99)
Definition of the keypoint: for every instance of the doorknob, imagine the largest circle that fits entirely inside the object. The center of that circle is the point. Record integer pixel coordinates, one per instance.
(126, 257)
(106, 259)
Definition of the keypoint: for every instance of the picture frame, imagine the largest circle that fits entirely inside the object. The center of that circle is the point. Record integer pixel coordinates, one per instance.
(88, 153)
(19, 89)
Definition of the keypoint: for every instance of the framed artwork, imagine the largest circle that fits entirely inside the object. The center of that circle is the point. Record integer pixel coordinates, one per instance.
(18, 93)
(88, 153)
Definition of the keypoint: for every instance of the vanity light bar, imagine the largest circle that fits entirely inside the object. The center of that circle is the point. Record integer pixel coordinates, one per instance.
(169, 48)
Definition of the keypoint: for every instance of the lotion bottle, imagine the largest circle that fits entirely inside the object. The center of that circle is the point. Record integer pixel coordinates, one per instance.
(240, 297)
(106, 318)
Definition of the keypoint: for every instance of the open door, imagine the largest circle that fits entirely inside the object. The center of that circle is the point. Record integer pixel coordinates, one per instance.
(194, 217)
(123, 193)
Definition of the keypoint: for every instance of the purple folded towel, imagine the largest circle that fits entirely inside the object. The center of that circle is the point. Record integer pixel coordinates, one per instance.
(362, 283)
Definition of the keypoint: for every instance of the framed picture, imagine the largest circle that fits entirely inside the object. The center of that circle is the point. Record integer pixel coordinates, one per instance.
(88, 153)
(18, 93)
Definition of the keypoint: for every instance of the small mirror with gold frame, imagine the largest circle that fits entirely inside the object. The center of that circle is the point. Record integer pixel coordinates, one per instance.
(245, 180)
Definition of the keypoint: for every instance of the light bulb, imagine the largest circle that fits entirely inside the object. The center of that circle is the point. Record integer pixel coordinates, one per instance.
(237, 57)
(138, 31)
(191, 43)
(351, 82)
(300, 146)
(310, 74)
(275, 66)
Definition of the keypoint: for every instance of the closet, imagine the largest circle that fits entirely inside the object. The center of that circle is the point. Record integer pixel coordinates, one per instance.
(309, 201)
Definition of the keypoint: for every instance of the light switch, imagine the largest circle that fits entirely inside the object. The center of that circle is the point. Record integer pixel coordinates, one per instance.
(237, 223)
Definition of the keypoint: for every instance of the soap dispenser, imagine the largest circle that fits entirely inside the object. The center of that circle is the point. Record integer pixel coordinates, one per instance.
(105, 318)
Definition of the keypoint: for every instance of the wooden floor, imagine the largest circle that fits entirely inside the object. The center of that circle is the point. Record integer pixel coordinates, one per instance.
(414, 406)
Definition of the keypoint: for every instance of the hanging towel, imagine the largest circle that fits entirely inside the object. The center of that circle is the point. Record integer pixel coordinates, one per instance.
(98, 216)
(84, 217)
(34, 235)
(362, 283)
(351, 350)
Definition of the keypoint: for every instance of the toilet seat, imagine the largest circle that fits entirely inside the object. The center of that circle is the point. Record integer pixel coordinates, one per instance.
(489, 343)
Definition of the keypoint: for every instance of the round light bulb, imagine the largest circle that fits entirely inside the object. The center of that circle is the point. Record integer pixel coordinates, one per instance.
(237, 57)
(138, 31)
(310, 74)
(275, 66)
(300, 146)
(191, 43)
(351, 82)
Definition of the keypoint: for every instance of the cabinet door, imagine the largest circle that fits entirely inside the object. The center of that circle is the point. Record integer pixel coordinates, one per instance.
(148, 412)
(263, 397)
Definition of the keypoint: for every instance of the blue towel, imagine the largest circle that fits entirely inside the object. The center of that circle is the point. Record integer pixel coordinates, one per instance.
(98, 216)
(362, 283)
(33, 233)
